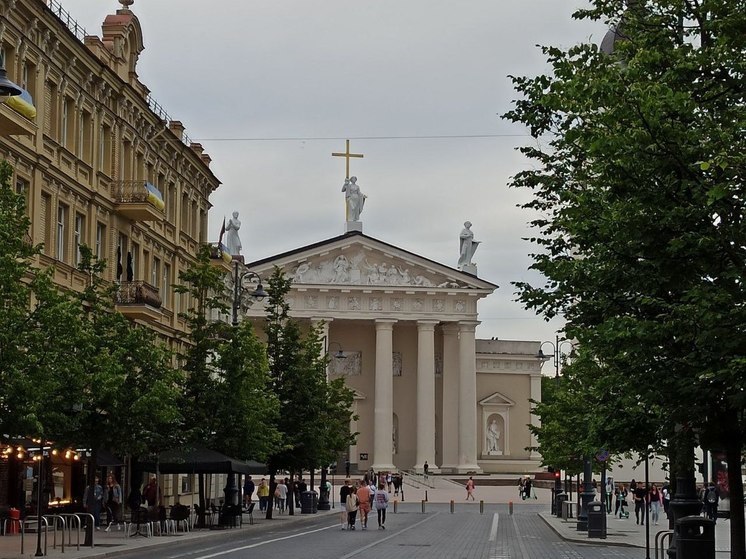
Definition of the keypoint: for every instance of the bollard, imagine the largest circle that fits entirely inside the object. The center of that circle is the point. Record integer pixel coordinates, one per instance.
(481, 507)
(510, 508)
(423, 507)
(451, 506)
(426, 494)
(396, 505)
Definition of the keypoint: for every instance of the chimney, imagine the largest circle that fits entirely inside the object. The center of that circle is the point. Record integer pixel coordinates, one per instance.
(196, 148)
(206, 159)
(177, 128)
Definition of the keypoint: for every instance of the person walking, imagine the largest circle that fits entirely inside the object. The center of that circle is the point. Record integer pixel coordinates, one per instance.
(470, 489)
(621, 500)
(248, 491)
(640, 496)
(93, 498)
(263, 493)
(425, 470)
(344, 491)
(113, 502)
(281, 496)
(711, 498)
(655, 498)
(365, 498)
(351, 506)
(381, 500)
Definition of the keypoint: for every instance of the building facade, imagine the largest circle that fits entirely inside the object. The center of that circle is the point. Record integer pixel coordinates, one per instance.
(99, 163)
(426, 390)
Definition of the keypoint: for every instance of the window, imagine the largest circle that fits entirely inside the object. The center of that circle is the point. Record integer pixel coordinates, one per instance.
(135, 251)
(100, 241)
(104, 154)
(79, 236)
(28, 78)
(85, 147)
(61, 232)
(46, 222)
(156, 272)
(166, 285)
(51, 109)
(22, 189)
(122, 245)
(185, 213)
(67, 124)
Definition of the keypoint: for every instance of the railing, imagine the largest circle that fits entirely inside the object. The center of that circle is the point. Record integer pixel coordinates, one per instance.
(138, 293)
(56, 8)
(131, 191)
(161, 113)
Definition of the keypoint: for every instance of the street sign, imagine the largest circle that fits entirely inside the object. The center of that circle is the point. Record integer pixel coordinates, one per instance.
(603, 455)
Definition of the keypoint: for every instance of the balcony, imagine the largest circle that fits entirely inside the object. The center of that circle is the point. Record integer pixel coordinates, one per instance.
(138, 200)
(219, 256)
(138, 300)
(13, 123)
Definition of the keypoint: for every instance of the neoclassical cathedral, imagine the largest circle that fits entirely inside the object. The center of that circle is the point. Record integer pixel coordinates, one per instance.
(400, 328)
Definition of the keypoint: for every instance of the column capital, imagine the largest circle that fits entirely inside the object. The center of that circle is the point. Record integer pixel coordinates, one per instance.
(427, 325)
(450, 327)
(384, 323)
(468, 325)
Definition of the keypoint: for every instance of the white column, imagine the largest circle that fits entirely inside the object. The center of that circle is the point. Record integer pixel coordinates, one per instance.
(425, 395)
(383, 410)
(449, 413)
(535, 419)
(467, 399)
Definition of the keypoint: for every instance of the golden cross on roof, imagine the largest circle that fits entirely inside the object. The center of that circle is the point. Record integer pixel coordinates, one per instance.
(347, 156)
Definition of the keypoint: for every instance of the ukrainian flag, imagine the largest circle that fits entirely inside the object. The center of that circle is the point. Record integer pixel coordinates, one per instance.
(154, 196)
(23, 104)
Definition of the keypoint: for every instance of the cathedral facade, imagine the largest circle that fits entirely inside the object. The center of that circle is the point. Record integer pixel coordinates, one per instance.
(400, 329)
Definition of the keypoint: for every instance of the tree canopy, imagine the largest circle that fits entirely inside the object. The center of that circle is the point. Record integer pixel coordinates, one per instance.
(638, 185)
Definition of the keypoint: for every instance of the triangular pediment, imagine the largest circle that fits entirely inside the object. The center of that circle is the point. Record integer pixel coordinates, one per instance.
(356, 260)
(497, 399)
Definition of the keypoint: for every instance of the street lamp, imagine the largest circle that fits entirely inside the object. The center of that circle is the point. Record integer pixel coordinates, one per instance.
(258, 293)
(323, 503)
(238, 288)
(557, 357)
(557, 353)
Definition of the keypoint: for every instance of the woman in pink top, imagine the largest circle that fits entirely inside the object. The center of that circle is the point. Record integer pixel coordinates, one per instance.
(381, 500)
(470, 489)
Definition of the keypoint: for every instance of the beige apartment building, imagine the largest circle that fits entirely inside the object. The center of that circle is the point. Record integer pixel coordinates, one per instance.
(101, 163)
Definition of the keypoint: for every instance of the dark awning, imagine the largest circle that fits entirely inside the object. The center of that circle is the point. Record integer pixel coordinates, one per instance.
(191, 460)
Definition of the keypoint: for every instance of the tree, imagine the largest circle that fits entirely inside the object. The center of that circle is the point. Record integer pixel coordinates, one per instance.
(314, 415)
(639, 188)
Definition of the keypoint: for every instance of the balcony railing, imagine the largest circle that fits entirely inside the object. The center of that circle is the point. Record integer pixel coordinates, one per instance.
(138, 200)
(138, 293)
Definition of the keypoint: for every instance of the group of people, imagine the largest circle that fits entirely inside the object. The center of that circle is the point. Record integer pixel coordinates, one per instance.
(284, 491)
(97, 498)
(364, 496)
(525, 488)
(651, 499)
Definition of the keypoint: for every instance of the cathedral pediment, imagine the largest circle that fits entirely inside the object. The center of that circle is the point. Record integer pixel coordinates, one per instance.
(356, 260)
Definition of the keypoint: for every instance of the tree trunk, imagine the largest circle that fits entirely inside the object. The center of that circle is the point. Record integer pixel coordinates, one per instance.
(271, 498)
(735, 484)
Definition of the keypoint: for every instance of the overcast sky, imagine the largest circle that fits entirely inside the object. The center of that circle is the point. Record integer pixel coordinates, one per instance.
(384, 73)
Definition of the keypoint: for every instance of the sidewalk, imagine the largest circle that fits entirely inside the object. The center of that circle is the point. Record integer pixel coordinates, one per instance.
(627, 533)
(108, 544)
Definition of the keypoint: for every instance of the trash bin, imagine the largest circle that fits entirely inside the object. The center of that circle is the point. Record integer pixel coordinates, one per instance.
(14, 521)
(309, 502)
(696, 538)
(560, 498)
(596, 520)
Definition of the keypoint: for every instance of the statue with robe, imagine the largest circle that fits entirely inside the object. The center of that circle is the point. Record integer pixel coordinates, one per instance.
(354, 198)
(232, 240)
(467, 247)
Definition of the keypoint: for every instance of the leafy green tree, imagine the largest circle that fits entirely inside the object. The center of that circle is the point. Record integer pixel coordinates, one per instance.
(639, 191)
(314, 414)
(39, 329)
(125, 394)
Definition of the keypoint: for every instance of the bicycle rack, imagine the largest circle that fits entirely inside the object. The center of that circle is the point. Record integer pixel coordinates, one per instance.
(660, 539)
(73, 523)
(56, 518)
(30, 521)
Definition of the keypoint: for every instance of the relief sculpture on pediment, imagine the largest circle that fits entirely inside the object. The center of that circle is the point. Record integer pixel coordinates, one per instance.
(363, 269)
